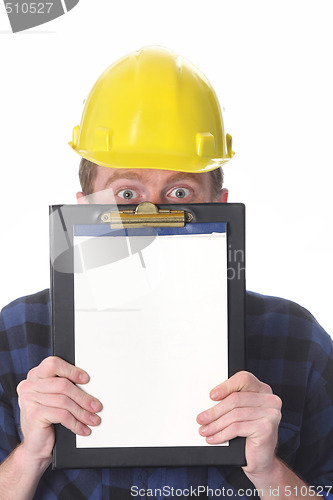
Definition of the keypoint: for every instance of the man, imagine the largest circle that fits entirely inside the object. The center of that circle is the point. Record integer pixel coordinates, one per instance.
(152, 130)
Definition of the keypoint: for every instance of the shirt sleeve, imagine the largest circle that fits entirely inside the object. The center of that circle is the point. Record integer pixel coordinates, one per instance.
(315, 455)
(9, 438)
(329, 496)
(9, 434)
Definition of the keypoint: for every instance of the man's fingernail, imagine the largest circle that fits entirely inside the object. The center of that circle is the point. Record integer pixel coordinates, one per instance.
(83, 377)
(94, 419)
(200, 417)
(204, 430)
(210, 439)
(214, 394)
(96, 405)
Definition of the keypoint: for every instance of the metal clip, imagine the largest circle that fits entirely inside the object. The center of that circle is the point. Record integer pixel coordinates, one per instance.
(147, 214)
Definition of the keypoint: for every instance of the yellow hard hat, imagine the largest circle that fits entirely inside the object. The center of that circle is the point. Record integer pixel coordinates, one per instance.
(153, 109)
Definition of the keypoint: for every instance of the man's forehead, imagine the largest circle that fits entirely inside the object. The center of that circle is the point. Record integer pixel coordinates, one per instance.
(142, 175)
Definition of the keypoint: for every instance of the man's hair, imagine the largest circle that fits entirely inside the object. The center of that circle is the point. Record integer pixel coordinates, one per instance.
(88, 172)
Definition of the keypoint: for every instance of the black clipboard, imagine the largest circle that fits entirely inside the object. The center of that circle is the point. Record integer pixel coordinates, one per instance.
(65, 221)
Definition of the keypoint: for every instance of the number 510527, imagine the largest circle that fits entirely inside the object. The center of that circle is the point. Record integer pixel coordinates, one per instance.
(29, 8)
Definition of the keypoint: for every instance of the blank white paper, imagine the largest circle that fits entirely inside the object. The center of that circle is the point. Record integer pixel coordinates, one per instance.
(151, 331)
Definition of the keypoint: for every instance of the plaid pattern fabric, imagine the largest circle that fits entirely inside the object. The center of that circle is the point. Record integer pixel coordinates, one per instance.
(286, 348)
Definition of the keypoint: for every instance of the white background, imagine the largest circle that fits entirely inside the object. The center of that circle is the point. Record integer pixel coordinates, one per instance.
(271, 65)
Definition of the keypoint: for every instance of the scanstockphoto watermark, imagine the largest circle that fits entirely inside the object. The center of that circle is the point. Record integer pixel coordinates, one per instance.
(193, 492)
(274, 492)
(23, 15)
(236, 263)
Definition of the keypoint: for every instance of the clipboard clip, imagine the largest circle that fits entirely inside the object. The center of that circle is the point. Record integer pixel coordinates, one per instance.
(147, 214)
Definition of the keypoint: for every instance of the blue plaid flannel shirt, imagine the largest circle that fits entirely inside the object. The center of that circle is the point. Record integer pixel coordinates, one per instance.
(286, 348)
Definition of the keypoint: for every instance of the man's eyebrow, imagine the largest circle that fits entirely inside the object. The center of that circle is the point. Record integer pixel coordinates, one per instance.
(180, 176)
(131, 174)
(124, 174)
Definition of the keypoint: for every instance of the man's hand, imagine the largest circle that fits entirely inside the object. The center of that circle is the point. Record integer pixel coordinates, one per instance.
(249, 409)
(49, 396)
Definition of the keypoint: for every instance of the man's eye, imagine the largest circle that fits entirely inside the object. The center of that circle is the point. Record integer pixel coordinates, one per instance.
(127, 194)
(179, 193)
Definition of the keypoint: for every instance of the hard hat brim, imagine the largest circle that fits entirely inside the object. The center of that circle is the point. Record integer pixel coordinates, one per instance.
(125, 159)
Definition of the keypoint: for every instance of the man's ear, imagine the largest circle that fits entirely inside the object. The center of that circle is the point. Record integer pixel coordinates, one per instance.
(222, 196)
(81, 198)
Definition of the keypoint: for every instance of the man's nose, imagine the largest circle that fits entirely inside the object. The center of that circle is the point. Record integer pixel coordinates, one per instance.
(154, 197)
